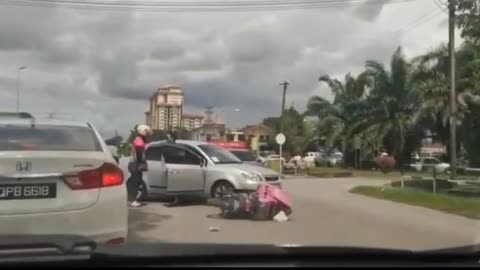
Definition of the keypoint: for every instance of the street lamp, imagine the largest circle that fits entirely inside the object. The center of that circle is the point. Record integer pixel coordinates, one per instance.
(18, 86)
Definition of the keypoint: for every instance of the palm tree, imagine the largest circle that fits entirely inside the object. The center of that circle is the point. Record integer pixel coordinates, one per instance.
(337, 119)
(392, 102)
(432, 79)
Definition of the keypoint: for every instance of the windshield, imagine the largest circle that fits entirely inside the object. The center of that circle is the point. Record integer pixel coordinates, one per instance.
(47, 138)
(219, 155)
(244, 155)
(365, 114)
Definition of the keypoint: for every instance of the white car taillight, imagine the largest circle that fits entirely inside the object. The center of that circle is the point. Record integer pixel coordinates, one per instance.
(106, 175)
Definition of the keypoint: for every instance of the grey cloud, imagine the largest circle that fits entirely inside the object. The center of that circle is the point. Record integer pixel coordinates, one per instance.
(261, 41)
(251, 47)
(443, 24)
(198, 62)
(227, 60)
(368, 11)
(167, 52)
(17, 32)
(134, 93)
(170, 44)
(118, 70)
(7, 84)
(58, 55)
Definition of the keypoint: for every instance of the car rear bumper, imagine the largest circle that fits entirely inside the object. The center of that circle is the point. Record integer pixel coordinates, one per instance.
(104, 221)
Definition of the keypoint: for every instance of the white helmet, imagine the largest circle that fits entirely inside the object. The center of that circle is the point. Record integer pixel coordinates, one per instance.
(143, 130)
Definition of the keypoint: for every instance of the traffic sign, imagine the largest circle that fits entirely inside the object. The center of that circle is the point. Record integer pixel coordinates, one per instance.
(280, 138)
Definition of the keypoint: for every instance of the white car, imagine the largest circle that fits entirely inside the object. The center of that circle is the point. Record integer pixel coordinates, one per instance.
(274, 157)
(428, 163)
(59, 177)
(310, 158)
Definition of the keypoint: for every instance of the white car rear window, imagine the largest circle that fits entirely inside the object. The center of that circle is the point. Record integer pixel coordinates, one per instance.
(47, 138)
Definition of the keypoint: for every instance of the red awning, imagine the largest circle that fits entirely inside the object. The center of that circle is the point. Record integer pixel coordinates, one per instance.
(232, 145)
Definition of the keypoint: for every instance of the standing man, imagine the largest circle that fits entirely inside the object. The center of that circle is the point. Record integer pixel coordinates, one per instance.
(138, 164)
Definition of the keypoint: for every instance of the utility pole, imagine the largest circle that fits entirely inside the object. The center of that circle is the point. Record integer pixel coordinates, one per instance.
(453, 105)
(285, 85)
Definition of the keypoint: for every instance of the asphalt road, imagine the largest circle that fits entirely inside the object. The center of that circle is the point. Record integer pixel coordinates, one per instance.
(324, 214)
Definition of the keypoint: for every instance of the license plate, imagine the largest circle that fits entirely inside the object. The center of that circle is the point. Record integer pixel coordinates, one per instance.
(27, 191)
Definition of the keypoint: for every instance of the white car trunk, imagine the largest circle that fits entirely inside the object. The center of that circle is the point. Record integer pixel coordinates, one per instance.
(46, 168)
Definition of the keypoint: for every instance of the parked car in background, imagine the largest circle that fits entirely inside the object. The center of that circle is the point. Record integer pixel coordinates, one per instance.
(324, 160)
(335, 159)
(274, 157)
(310, 157)
(321, 160)
(59, 177)
(260, 159)
(247, 156)
(186, 168)
(241, 150)
(428, 163)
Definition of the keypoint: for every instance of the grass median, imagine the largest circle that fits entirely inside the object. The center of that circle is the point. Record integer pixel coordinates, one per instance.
(346, 172)
(446, 203)
(343, 172)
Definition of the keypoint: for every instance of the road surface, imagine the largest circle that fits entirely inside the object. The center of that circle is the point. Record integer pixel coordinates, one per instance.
(324, 214)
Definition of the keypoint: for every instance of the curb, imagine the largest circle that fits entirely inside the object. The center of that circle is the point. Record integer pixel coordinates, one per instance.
(332, 175)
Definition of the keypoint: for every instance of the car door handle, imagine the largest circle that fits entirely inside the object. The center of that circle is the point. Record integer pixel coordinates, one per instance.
(172, 171)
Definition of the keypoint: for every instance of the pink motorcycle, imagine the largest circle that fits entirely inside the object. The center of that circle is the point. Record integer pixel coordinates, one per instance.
(264, 204)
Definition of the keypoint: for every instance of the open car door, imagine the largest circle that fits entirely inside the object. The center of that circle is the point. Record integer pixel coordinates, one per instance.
(185, 171)
(157, 170)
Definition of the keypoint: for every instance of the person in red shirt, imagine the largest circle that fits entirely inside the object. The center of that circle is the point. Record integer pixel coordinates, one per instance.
(138, 164)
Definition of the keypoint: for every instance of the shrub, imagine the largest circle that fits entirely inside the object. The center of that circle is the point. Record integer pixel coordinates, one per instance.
(385, 164)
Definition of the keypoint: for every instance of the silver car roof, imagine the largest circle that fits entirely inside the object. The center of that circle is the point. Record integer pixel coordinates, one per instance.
(187, 142)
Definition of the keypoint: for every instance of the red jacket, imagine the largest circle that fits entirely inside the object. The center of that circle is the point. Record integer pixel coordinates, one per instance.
(138, 150)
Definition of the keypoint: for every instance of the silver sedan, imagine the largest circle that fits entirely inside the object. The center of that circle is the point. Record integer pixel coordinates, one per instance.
(197, 168)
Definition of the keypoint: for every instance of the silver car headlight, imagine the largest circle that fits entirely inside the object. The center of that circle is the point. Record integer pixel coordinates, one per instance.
(251, 177)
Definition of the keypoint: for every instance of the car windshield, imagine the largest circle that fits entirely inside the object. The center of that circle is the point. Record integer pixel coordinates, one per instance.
(124, 121)
(244, 155)
(219, 155)
(47, 138)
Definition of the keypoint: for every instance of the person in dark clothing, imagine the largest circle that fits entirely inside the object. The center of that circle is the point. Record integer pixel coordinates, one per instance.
(138, 164)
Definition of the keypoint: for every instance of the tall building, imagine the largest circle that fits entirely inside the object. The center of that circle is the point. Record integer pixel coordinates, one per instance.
(165, 108)
(191, 122)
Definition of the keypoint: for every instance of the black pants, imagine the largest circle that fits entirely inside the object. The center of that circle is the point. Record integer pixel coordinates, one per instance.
(133, 184)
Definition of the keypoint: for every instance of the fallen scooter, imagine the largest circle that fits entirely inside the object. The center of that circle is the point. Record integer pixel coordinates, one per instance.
(268, 202)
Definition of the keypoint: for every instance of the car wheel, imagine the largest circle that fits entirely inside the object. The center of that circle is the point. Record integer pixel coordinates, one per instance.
(220, 188)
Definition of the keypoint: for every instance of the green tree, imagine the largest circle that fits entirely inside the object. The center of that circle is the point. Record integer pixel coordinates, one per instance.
(392, 102)
(432, 80)
(468, 19)
(339, 120)
(297, 142)
(115, 141)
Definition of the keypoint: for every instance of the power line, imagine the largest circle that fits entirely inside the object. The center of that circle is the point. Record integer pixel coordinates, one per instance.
(411, 25)
(418, 22)
(441, 5)
(201, 6)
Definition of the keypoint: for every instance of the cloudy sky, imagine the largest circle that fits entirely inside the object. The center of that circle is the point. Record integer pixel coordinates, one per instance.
(101, 66)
